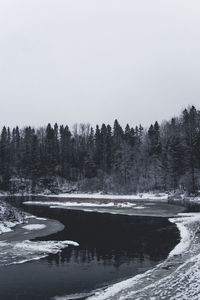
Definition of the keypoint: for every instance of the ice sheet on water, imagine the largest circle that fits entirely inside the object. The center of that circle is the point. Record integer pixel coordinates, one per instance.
(54, 204)
(34, 226)
(20, 252)
(142, 196)
(73, 296)
(139, 207)
(14, 252)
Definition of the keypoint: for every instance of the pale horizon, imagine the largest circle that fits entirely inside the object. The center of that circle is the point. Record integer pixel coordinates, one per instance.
(96, 61)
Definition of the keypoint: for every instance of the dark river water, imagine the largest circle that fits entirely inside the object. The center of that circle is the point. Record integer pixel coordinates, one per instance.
(112, 248)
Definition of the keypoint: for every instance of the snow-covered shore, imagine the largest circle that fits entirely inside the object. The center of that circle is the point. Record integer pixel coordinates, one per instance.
(17, 229)
(9, 217)
(177, 278)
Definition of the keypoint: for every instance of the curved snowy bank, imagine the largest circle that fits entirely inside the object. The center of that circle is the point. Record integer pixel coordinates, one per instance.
(178, 277)
(9, 217)
(17, 245)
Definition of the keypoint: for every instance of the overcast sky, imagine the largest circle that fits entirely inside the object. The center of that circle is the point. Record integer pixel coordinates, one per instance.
(71, 61)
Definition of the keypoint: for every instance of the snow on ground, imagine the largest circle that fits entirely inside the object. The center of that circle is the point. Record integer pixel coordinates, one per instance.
(142, 196)
(34, 226)
(14, 252)
(194, 199)
(9, 217)
(177, 278)
(5, 228)
(24, 251)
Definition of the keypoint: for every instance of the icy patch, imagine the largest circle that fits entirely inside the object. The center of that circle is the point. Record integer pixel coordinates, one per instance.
(44, 246)
(68, 204)
(73, 296)
(125, 205)
(54, 204)
(34, 217)
(139, 207)
(142, 196)
(21, 252)
(34, 226)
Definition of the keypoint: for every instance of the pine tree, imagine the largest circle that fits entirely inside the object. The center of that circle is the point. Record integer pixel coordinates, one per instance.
(5, 168)
(65, 152)
(191, 132)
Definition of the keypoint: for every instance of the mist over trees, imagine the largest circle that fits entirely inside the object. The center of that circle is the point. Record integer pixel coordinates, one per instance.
(106, 158)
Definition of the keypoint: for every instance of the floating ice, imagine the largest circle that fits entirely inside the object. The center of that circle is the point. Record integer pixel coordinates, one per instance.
(139, 207)
(34, 226)
(142, 196)
(20, 252)
(54, 204)
(72, 296)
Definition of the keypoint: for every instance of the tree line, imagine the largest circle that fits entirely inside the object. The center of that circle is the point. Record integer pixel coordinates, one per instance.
(163, 157)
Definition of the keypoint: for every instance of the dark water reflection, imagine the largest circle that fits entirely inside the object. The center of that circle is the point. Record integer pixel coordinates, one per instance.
(111, 248)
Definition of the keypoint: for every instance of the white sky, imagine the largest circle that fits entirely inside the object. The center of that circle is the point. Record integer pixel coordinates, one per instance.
(71, 61)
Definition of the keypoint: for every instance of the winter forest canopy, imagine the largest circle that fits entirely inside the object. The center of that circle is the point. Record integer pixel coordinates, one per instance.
(110, 159)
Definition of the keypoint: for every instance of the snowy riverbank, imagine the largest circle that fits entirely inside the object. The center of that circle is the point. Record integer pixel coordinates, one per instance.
(17, 231)
(9, 217)
(178, 277)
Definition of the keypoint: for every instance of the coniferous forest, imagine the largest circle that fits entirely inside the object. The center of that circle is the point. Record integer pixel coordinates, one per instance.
(107, 158)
